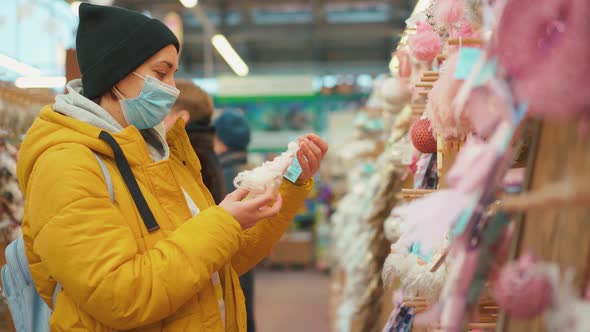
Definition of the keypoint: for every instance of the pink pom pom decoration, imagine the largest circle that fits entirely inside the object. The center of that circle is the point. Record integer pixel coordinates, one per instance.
(425, 44)
(546, 52)
(521, 290)
(445, 120)
(449, 12)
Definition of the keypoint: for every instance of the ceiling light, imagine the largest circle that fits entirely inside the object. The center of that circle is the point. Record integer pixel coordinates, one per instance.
(230, 56)
(189, 3)
(75, 5)
(40, 82)
(18, 67)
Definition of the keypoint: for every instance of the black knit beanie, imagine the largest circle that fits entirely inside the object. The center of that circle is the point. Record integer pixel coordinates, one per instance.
(112, 42)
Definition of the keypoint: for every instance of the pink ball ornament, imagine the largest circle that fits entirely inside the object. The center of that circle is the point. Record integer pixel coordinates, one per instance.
(422, 137)
(521, 290)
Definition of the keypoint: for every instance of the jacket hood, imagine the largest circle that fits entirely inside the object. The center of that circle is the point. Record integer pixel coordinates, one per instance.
(76, 120)
(76, 106)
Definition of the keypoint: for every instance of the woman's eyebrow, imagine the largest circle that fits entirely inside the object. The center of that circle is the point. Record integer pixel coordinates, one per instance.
(168, 63)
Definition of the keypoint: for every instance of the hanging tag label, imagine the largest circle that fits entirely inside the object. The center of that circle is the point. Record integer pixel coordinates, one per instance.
(468, 57)
(294, 171)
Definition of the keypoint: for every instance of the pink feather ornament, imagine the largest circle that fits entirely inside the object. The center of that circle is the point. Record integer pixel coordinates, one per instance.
(486, 110)
(444, 118)
(427, 220)
(473, 165)
(521, 290)
(425, 44)
(449, 12)
(546, 52)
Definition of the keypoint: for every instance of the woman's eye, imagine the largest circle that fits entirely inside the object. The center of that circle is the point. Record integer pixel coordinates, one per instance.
(161, 75)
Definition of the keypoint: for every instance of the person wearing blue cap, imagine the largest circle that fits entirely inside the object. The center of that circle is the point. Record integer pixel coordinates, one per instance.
(232, 137)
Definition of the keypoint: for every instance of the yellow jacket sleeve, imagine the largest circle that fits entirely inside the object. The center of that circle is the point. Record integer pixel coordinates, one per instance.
(88, 247)
(260, 239)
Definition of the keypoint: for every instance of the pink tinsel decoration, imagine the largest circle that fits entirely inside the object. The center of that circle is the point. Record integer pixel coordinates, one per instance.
(445, 120)
(546, 51)
(425, 44)
(449, 12)
(521, 290)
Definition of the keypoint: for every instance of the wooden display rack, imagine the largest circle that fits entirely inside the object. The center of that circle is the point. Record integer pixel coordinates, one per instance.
(447, 151)
(557, 235)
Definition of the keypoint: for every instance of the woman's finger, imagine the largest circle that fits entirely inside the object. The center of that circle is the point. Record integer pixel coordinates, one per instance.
(261, 200)
(268, 211)
(305, 169)
(320, 143)
(314, 162)
(315, 149)
(238, 194)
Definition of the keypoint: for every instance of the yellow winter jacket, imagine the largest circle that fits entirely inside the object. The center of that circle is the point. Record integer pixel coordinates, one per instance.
(115, 275)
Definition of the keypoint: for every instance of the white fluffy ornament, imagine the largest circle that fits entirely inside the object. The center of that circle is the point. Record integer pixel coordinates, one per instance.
(270, 173)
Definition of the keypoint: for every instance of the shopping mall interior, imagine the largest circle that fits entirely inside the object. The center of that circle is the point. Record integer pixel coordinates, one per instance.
(295, 165)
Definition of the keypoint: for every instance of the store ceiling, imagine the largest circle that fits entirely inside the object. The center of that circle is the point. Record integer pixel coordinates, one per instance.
(291, 36)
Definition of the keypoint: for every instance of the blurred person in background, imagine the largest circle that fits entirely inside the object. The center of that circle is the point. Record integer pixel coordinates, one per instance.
(232, 137)
(195, 107)
(145, 248)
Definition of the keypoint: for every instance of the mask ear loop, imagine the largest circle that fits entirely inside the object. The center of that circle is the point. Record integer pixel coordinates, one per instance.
(118, 93)
(169, 88)
(136, 74)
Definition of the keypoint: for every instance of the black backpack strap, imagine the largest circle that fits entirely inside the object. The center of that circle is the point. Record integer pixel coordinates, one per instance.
(123, 165)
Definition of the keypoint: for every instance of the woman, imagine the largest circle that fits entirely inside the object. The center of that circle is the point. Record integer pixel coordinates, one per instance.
(159, 255)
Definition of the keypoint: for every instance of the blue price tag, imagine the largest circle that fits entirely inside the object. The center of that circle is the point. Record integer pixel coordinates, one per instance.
(468, 57)
(294, 171)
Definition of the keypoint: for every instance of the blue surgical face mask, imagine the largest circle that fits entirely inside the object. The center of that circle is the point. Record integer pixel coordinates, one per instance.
(151, 106)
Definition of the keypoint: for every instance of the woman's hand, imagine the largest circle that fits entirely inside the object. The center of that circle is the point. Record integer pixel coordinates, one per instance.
(249, 212)
(310, 155)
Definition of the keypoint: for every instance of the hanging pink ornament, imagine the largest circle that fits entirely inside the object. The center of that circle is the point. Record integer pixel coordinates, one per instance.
(425, 44)
(546, 52)
(447, 120)
(405, 64)
(522, 290)
(422, 136)
(449, 12)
